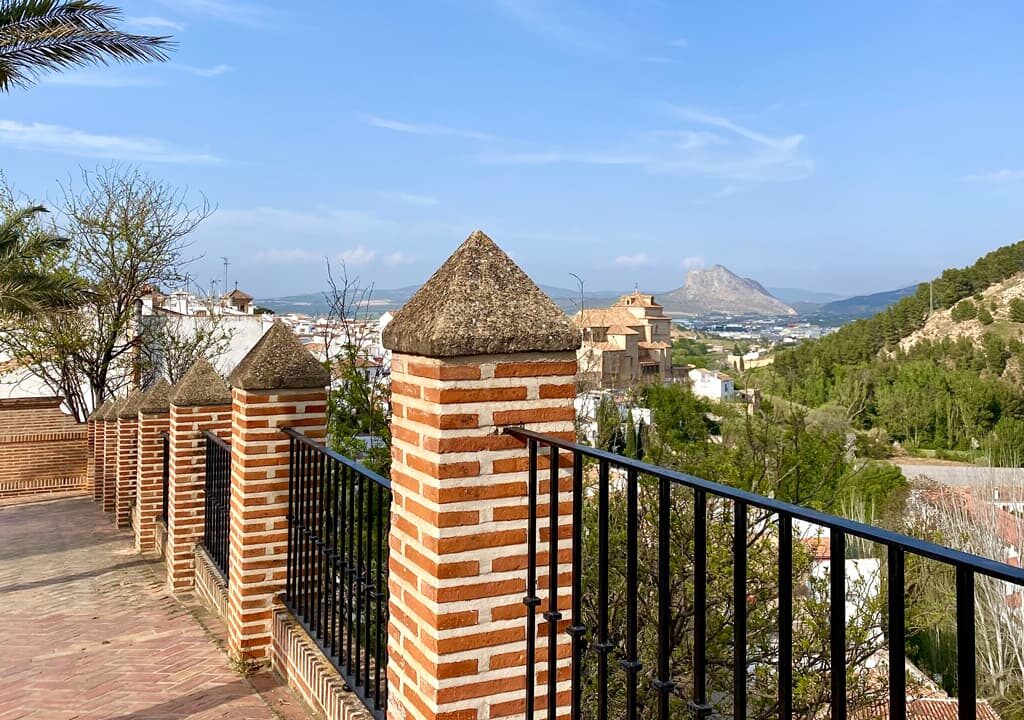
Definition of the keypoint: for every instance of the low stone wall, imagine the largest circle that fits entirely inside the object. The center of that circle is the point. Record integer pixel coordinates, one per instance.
(298, 660)
(211, 587)
(42, 450)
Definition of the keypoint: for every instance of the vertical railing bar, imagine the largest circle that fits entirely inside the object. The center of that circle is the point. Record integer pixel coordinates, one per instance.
(339, 562)
(897, 635)
(289, 583)
(739, 593)
(307, 522)
(379, 594)
(301, 537)
(367, 568)
(299, 574)
(350, 567)
(837, 621)
(663, 682)
(207, 511)
(700, 575)
(331, 503)
(531, 601)
(552, 616)
(966, 678)
(785, 671)
(321, 544)
(577, 630)
(360, 495)
(630, 663)
(602, 646)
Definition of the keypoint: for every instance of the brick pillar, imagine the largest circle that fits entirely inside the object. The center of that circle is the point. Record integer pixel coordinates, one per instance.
(278, 384)
(201, 401)
(97, 436)
(110, 455)
(154, 419)
(127, 459)
(477, 349)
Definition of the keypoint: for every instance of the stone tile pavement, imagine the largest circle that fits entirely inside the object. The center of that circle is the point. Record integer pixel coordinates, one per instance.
(88, 631)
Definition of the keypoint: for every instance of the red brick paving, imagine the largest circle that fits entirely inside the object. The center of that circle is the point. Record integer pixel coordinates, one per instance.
(87, 630)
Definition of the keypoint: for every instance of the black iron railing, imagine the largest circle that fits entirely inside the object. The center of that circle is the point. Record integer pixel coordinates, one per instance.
(165, 479)
(338, 524)
(596, 637)
(217, 522)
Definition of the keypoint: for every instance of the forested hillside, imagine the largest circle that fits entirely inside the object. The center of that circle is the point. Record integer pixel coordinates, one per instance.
(934, 392)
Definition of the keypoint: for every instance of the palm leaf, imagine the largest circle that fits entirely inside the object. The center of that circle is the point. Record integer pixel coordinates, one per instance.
(41, 35)
(27, 285)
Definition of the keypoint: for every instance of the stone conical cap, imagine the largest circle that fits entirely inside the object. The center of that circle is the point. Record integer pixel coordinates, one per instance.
(201, 386)
(157, 399)
(100, 412)
(114, 408)
(130, 409)
(279, 362)
(480, 303)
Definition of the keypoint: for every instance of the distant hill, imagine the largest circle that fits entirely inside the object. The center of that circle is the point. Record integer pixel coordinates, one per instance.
(866, 305)
(719, 290)
(794, 296)
(390, 299)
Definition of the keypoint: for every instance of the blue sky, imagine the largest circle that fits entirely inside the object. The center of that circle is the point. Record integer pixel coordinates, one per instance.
(830, 146)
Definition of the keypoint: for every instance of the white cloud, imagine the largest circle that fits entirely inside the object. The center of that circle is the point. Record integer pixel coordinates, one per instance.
(658, 60)
(789, 142)
(633, 260)
(720, 149)
(557, 156)
(1003, 175)
(69, 141)
(400, 258)
(357, 256)
(422, 129)
(680, 43)
(153, 23)
(575, 28)
(692, 262)
(411, 199)
(103, 78)
(231, 12)
(207, 72)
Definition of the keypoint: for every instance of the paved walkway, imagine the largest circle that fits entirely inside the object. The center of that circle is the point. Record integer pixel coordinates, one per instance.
(88, 631)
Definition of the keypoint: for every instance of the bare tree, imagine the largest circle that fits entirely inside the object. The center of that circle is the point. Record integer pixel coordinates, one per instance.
(171, 344)
(128, 233)
(970, 519)
(360, 401)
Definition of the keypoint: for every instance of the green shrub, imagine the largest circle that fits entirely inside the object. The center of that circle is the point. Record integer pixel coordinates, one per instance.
(1017, 310)
(964, 310)
(984, 316)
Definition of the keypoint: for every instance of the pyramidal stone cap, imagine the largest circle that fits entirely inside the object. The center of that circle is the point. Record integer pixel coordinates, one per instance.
(130, 409)
(157, 399)
(114, 409)
(100, 412)
(201, 386)
(480, 303)
(279, 362)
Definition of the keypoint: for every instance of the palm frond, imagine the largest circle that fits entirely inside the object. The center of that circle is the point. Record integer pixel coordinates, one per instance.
(41, 35)
(27, 284)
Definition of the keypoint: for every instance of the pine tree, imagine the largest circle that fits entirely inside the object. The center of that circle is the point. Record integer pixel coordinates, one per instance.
(1017, 310)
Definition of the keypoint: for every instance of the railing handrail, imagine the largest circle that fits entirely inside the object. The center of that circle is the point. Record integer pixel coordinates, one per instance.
(219, 441)
(889, 538)
(334, 455)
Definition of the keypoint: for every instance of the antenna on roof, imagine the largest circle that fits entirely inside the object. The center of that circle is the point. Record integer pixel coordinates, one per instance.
(226, 263)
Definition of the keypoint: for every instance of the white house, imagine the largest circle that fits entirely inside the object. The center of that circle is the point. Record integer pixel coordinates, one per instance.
(712, 385)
